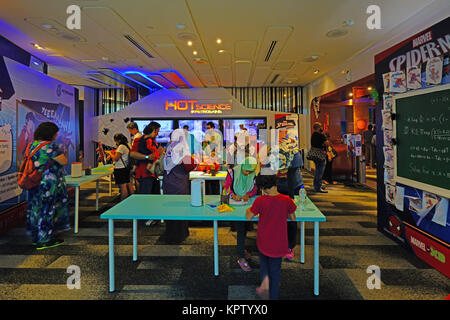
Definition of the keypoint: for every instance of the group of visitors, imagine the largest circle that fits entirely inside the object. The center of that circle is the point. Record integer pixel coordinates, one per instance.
(48, 212)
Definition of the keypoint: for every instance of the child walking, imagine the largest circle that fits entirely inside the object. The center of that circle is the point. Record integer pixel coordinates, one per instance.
(273, 209)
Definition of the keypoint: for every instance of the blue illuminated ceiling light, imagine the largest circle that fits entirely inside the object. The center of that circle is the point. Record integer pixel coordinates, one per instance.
(144, 76)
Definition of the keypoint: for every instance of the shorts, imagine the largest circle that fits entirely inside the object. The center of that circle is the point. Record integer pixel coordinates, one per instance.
(122, 175)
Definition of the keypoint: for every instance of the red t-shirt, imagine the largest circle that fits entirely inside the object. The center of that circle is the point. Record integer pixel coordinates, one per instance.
(141, 168)
(273, 211)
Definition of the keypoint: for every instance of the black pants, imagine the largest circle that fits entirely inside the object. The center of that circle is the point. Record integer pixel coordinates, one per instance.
(149, 185)
(291, 225)
(328, 173)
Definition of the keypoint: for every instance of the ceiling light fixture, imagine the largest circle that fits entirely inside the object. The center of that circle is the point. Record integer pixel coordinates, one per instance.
(316, 71)
(37, 46)
(348, 23)
(369, 88)
(47, 26)
(181, 26)
(195, 53)
(221, 51)
(350, 94)
(219, 41)
(189, 43)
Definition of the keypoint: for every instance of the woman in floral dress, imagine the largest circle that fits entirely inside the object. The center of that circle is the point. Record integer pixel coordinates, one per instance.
(47, 204)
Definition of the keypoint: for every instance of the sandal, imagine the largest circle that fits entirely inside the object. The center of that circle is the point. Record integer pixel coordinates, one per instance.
(244, 265)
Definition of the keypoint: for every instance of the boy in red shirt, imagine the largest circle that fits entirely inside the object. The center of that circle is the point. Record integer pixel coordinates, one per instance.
(273, 209)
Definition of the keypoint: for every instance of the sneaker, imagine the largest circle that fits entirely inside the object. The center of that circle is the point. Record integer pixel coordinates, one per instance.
(244, 265)
(290, 255)
(49, 244)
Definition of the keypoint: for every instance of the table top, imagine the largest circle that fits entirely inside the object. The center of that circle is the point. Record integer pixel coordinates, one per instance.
(178, 207)
(96, 173)
(221, 175)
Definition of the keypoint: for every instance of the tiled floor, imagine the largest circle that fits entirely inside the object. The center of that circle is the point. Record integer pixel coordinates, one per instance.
(349, 244)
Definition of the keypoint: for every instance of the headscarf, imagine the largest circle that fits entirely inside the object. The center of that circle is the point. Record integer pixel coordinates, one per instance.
(242, 183)
(176, 151)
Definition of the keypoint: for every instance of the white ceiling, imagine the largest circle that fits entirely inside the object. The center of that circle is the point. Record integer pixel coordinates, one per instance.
(246, 27)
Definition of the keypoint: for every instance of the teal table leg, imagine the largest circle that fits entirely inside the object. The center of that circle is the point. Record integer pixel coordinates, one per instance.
(302, 242)
(134, 240)
(216, 250)
(111, 254)
(77, 204)
(316, 258)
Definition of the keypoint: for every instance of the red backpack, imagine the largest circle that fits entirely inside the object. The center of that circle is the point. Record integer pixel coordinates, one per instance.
(29, 176)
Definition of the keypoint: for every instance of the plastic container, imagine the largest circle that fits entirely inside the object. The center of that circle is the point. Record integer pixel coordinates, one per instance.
(302, 197)
(197, 192)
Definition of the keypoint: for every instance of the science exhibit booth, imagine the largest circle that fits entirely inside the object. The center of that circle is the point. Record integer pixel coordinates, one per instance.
(176, 108)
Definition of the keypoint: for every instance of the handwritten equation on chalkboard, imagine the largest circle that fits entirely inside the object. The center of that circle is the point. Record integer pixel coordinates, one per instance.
(423, 135)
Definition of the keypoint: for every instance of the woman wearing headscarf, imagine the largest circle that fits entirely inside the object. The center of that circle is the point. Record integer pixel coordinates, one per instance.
(290, 180)
(240, 185)
(177, 165)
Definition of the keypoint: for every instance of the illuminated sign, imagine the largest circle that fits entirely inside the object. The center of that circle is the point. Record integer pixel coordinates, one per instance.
(194, 107)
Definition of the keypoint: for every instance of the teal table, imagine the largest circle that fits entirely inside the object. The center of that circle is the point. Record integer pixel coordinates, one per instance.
(97, 173)
(178, 207)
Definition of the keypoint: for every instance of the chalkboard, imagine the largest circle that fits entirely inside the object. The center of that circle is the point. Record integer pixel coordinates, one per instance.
(422, 139)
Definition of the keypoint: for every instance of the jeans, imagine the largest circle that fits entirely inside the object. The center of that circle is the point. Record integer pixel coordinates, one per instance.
(320, 167)
(271, 267)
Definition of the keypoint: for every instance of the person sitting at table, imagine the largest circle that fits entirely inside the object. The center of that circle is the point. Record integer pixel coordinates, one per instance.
(178, 162)
(240, 185)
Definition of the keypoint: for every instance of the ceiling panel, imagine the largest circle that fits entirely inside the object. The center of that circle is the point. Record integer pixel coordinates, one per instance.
(245, 49)
(242, 72)
(259, 76)
(225, 76)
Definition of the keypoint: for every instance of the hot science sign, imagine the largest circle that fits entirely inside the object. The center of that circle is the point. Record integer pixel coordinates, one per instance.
(196, 107)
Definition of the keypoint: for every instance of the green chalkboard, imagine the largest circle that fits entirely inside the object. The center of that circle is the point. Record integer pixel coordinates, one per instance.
(422, 133)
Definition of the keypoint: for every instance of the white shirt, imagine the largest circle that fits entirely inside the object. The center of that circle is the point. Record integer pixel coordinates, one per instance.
(124, 151)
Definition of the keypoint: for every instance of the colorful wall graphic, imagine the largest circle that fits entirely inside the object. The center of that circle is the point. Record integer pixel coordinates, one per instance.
(416, 218)
(28, 98)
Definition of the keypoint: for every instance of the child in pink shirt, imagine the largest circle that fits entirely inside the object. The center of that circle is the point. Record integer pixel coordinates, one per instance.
(273, 209)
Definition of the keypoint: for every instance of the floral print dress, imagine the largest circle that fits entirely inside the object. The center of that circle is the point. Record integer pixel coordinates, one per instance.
(47, 204)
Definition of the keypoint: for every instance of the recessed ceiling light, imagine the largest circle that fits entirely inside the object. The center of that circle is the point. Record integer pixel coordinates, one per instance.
(221, 51)
(289, 81)
(316, 71)
(369, 88)
(350, 94)
(181, 26)
(189, 43)
(37, 46)
(47, 26)
(195, 53)
(219, 41)
(336, 33)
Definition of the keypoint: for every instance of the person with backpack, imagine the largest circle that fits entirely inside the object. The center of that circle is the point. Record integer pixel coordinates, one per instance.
(42, 175)
(122, 165)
